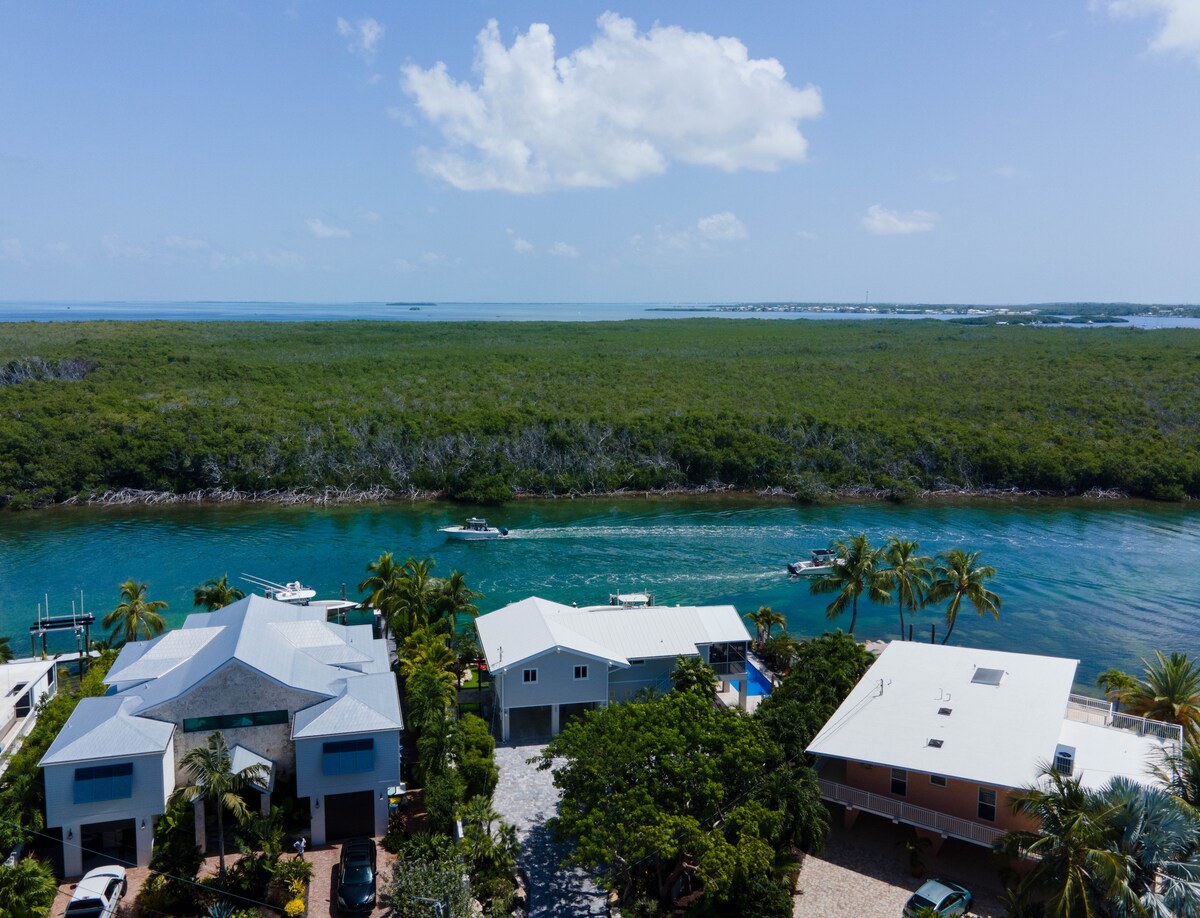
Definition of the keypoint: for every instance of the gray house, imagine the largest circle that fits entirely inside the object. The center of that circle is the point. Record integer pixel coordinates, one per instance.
(286, 689)
(550, 662)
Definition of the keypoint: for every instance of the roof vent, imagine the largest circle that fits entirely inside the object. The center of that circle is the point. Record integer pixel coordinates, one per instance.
(987, 676)
(936, 743)
(945, 712)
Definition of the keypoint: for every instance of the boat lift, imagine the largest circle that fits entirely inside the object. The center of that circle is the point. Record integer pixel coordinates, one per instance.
(81, 623)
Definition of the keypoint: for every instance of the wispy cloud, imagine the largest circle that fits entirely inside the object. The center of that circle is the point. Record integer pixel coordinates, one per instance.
(1178, 23)
(881, 221)
(564, 250)
(11, 250)
(722, 227)
(323, 230)
(362, 37)
(1007, 172)
(624, 107)
(520, 246)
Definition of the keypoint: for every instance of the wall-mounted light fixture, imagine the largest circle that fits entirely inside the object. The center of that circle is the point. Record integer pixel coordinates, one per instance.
(143, 823)
(70, 834)
(381, 795)
(317, 805)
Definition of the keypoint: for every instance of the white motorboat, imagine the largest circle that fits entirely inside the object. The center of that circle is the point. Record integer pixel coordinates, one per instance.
(821, 560)
(294, 592)
(473, 530)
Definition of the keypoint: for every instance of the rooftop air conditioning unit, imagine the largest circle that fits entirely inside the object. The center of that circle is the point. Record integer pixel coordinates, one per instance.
(1064, 762)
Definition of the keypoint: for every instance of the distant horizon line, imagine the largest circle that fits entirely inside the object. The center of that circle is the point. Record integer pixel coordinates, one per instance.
(556, 302)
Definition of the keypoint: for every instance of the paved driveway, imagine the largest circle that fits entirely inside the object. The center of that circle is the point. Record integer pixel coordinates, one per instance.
(527, 797)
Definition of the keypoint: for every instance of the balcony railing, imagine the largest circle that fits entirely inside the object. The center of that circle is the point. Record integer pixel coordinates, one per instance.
(1100, 713)
(918, 816)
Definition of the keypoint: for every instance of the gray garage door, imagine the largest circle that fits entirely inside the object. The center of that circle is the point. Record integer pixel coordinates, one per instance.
(349, 815)
(529, 725)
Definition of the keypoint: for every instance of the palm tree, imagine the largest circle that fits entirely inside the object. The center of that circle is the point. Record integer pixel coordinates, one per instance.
(410, 600)
(1169, 691)
(480, 812)
(210, 768)
(452, 597)
(960, 576)
(907, 574)
(216, 594)
(764, 620)
(429, 691)
(1073, 862)
(136, 615)
(1158, 834)
(855, 571)
(693, 674)
(383, 584)
(428, 646)
(1178, 769)
(6, 651)
(27, 888)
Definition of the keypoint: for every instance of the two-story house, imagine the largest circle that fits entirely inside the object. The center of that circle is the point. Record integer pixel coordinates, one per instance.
(550, 662)
(285, 688)
(938, 737)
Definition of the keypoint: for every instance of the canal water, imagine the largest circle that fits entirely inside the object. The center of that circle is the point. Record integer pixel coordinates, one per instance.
(1105, 583)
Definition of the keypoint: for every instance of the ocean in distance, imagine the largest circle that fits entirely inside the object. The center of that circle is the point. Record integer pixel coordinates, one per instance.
(457, 312)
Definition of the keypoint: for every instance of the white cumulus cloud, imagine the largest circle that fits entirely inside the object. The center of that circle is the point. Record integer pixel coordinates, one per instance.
(1179, 22)
(362, 37)
(722, 227)
(883, 222)
(564, 250)
(323, 230)
(619, 109)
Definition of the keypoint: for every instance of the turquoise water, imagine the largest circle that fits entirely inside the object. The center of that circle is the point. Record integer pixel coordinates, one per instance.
(1103, 583)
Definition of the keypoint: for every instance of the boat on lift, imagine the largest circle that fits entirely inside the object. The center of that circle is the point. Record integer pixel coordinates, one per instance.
(475, 529)
(294, 592)
(821, 560)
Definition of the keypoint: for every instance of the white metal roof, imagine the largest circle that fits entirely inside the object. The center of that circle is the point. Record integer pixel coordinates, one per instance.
(368, 704)
(994, 734)
(241, 758)
(532, 627)
(1102, 753)
(105, 728)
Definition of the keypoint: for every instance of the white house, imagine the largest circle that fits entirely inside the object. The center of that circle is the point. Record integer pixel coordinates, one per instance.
(938, 737)
(550, 661)
(23, 684)
(286, 689)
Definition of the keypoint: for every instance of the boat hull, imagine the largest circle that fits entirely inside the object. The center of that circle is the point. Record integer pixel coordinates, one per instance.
(472, 535)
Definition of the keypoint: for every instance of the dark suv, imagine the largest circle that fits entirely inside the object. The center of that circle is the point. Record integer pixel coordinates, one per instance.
(356, 877)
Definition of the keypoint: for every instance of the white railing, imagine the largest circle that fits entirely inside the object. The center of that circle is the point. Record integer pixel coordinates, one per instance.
(1094, 711)
(900, 811)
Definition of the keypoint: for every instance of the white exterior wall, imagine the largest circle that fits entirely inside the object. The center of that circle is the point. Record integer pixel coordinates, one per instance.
(311, 782)
(153, 782)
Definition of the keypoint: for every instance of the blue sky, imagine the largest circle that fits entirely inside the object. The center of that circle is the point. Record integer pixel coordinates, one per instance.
(926, 151)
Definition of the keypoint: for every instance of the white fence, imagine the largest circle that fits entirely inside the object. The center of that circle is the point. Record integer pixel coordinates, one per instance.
(900, 811)
(1094, 711)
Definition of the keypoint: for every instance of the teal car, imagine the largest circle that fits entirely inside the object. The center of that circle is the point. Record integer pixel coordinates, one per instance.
(946, 899)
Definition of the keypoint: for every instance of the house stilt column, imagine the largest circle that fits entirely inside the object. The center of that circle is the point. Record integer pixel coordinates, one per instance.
(144, 828)
(554, 720)
(201, 835)
(317, 813)
(72, 850)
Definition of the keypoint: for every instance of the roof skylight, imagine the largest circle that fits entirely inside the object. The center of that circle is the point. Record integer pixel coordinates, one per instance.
(936, 743)
(945, 712)
(987, 676)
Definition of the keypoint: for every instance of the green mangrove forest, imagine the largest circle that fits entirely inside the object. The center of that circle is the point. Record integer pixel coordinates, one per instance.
(482, 411)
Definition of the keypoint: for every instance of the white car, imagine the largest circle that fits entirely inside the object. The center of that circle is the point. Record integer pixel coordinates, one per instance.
(98, 893)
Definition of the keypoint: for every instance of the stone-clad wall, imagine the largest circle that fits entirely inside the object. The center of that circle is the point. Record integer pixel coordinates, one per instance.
(237, 689)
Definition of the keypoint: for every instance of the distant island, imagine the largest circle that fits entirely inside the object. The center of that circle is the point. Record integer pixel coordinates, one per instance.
(1030, 314)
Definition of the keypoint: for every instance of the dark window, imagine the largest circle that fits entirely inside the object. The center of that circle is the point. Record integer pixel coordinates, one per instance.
(580, 672)
(529, 675)
(899, 782)
(104, 782)
(987, 804)
(937, 780)
(232, 721)
(348, 757)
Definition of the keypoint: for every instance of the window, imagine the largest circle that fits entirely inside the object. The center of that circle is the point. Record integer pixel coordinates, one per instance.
(581, 672)
(938, 780)
(348, 757)
(529, 676)
(987, 804)
(899, 782)
(104, 782)
(231, 721)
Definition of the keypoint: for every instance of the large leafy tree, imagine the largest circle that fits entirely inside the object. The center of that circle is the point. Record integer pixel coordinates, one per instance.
(27, 888)
(651, 790)
(906, 574)
(1168, 690)
(960, 576)
(136, 616)
(856, 571)
(216, 594)
(213, 780)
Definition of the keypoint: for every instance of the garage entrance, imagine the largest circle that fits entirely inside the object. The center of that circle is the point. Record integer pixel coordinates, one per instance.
(350, 815)
(108, 843)
(529, 725)
(568, 712)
